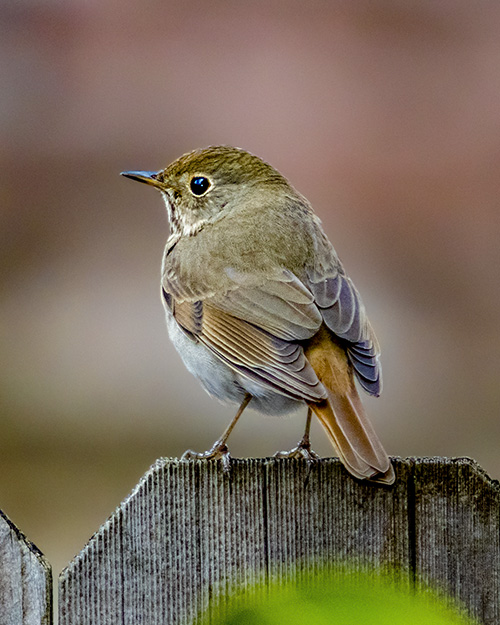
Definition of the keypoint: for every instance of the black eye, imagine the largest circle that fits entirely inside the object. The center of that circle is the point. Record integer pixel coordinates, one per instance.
(199, 185)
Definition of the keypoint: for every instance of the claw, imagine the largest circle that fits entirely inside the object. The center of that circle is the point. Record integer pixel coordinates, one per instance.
(302, 450)
(218, 451)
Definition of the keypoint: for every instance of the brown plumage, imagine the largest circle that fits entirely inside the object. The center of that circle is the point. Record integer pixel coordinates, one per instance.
(258, 303)
(342, 413)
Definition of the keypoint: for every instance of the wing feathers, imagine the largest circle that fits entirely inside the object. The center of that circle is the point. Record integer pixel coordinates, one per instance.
(285, 319)
(251, 350)
(284, 284)
(344, 314)
(286, 310)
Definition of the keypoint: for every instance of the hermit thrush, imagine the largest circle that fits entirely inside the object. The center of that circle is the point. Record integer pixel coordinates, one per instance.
(259, 306)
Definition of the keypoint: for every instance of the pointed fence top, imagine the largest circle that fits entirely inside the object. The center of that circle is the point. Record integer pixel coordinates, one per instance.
(190, 532)
(25, 579)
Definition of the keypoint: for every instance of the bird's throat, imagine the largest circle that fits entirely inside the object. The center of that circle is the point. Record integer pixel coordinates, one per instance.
(182, 224)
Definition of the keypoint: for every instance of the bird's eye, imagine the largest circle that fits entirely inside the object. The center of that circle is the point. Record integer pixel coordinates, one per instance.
(199, 185)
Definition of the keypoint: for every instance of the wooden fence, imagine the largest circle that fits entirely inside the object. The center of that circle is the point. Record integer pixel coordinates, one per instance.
(25, 579)
(189, 532)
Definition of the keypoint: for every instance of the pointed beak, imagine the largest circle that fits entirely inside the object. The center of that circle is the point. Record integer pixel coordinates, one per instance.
(149, 177)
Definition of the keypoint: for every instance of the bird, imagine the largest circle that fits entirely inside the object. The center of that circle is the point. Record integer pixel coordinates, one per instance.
(260, 307)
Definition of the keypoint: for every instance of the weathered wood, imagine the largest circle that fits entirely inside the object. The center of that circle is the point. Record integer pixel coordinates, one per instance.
(25, 579)
(457, 533)
(189, 532)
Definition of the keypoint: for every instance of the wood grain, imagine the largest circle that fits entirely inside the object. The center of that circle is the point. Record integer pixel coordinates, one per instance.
(25, 579)
(189, 533)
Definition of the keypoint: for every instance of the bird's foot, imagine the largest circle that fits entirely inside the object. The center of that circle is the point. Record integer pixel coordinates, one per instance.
(302, 450)
(218, 451)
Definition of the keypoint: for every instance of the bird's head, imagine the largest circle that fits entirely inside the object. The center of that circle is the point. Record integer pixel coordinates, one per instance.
(202, 186)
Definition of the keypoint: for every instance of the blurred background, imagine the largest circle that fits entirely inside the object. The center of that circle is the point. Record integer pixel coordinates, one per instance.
(385, 115)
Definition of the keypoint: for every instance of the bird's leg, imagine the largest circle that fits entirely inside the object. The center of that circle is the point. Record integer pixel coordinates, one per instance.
(303, 448)
(219, 448)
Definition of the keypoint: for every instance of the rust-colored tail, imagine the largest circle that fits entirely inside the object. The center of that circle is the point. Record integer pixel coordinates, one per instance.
(354, 438)
(342, 413)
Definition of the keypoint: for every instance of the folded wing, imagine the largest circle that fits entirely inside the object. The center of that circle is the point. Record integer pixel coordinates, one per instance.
(343, 312)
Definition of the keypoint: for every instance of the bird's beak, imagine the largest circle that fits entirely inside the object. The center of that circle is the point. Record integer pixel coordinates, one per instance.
(149, 177)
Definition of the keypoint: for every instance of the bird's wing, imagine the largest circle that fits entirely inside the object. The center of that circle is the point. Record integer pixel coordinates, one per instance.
(343, 312)
(252, 327)
(282, 305)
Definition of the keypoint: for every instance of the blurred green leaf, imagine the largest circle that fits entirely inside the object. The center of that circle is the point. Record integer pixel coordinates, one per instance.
(343, 598)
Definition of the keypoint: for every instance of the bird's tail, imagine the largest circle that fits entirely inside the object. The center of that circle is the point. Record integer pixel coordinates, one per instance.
(353, 437)
(342, 414)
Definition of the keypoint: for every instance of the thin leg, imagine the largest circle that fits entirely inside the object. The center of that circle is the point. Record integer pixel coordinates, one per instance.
(303, 448)
(230, 427)
(219, 448)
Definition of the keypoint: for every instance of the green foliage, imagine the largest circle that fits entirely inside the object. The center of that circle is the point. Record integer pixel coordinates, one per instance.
(341, 598)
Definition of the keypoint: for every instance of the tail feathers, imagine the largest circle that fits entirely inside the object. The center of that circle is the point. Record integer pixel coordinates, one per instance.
(353, 437)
